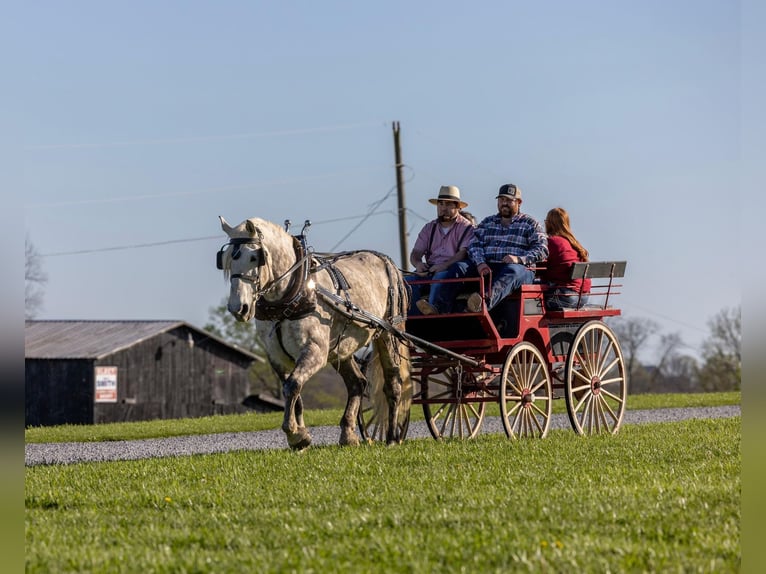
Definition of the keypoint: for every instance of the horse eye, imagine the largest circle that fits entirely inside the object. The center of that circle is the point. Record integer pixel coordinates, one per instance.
(253, 259)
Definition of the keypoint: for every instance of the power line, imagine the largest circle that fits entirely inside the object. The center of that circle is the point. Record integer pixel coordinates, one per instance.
(650, 312)
(190, 239)
(245, 187)
(199, 139)
(365, 218)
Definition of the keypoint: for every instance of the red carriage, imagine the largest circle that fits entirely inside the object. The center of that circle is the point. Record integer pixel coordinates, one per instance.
(521, 356)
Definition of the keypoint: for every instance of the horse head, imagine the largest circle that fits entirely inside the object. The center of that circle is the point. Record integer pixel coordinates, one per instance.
(244, 263)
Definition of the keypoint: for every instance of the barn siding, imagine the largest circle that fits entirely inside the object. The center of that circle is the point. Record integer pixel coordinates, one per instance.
(58, 392)
(165, 378)
(159, 378)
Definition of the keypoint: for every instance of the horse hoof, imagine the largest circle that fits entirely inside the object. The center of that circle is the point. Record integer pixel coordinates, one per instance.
(299, 441)
(349, 439)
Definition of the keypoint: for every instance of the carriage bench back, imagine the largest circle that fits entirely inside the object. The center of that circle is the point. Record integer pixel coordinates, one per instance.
(600, 290)
(598, 269)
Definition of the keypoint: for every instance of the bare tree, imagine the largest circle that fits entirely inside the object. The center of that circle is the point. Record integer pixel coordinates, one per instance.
(722, 352)
(633, 334)
(34, 280)
(673, 370)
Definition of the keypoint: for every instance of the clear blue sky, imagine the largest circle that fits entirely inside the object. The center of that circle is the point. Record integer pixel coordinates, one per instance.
(143, 121)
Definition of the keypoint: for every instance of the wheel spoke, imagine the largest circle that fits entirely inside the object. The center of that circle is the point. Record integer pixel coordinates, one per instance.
(617, 399)
(604, 409)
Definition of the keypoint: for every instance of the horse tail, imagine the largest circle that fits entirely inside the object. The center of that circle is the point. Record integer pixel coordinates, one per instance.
(376, 380)
(406, 378)
(398, 353)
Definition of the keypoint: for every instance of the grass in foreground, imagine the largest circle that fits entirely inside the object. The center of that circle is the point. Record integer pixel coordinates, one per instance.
(256, 422)
(653, 498)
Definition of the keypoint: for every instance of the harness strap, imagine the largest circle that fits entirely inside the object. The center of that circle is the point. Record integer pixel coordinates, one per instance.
(297, 302)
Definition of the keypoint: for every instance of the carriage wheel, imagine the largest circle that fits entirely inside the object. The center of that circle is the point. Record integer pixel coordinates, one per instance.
(448, 410)
(371, 428)
(595, 381)
(526, 393)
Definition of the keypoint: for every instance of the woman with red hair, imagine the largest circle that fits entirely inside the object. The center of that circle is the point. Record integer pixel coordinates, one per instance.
(563, 251)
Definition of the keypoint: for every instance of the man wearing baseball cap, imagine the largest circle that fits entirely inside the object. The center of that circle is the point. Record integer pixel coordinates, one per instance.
(506, 244)
(440, 253)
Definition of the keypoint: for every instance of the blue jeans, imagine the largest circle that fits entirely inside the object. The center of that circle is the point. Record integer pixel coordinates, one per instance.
(506, 278)
(559, 298)
(441, 295)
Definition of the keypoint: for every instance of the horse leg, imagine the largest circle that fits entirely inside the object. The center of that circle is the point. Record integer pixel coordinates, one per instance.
(298, 437)
(309, 362)
(355, 383)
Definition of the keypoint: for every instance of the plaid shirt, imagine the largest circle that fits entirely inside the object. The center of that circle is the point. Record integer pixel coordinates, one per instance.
(524, 237)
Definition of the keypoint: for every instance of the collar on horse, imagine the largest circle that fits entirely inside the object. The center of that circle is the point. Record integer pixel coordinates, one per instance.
(298, 300)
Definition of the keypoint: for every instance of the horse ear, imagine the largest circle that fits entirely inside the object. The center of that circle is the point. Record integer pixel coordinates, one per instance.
(251, 228)
(225, 225)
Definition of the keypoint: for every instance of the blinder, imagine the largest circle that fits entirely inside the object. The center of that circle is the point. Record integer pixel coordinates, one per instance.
(237, 243)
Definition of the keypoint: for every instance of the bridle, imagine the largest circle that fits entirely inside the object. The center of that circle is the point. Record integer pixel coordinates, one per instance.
(297, 300)
(236, 253)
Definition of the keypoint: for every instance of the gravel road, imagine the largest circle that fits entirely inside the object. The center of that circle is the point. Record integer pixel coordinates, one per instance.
(74, 452)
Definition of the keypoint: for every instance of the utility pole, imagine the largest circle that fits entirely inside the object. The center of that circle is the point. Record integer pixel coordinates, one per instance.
(400, 195)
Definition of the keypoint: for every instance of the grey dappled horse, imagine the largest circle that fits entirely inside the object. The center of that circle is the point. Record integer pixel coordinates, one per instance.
(306, 311)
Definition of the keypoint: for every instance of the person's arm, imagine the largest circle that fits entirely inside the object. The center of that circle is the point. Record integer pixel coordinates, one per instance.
(476, 247)
(416, 258)
(419, 250)
(538, 246)
(459, 256)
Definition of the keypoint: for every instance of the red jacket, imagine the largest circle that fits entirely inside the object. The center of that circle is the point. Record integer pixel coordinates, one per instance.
(558, 268)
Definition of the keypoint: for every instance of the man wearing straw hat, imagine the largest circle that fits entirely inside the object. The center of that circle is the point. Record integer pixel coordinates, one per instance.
(440, 253)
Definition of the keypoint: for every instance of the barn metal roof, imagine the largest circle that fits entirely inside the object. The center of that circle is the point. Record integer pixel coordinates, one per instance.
(97, 339)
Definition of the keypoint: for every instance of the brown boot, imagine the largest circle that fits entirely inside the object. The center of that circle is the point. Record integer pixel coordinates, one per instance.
(473, 305)
(426, 308)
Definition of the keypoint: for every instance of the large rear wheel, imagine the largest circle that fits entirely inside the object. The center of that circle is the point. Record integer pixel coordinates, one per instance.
(450, 406)
(596, 384)
(526, 393)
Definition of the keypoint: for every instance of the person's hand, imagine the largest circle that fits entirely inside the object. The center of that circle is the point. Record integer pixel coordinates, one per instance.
(421, 268)
(483, 268)
(437, 268)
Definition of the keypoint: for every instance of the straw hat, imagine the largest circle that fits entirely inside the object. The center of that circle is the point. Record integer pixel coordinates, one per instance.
(449, 193)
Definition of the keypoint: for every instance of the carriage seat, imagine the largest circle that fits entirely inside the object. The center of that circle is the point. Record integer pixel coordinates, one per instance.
(602, 275)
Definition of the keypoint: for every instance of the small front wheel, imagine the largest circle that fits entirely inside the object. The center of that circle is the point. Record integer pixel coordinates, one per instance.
(452, 407)
(372, 428)
(526, 393)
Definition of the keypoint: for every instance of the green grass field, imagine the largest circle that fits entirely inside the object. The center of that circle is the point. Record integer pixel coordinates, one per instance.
(653, 498)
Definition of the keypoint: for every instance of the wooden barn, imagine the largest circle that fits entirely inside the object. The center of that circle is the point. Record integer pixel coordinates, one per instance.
(86, 372)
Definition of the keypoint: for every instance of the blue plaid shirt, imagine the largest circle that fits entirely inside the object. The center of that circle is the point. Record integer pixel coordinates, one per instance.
(524, 237)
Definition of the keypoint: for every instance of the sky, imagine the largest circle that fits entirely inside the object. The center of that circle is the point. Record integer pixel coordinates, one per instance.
(142, 122)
